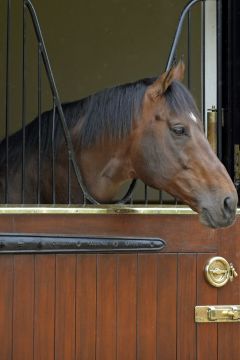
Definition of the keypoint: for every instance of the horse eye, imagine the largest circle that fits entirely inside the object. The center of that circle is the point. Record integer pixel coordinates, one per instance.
(178, 130)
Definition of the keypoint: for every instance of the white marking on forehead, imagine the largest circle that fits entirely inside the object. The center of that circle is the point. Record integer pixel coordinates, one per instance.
(193, 117)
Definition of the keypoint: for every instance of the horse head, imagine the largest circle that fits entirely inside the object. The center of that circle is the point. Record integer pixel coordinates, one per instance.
(170, 151)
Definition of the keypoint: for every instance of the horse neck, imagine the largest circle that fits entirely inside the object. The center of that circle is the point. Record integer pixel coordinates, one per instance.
(105, 168)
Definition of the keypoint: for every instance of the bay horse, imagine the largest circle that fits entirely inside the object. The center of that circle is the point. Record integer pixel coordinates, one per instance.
(149, 130)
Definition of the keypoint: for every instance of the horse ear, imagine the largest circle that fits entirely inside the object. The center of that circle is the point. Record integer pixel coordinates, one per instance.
(159, 87)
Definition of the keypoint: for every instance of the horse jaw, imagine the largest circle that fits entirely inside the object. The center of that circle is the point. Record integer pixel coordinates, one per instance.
(107, 170)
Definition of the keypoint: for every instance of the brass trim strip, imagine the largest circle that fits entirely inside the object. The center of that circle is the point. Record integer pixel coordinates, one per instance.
(98, 210)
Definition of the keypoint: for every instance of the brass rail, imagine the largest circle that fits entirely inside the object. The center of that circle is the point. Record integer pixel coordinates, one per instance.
(99, 209)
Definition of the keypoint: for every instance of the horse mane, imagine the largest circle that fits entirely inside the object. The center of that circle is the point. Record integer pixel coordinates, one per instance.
(110, 112)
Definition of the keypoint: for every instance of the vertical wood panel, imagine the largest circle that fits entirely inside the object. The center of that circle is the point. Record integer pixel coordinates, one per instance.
(23, 307)
(186, 329)
(86, 307)
(44, 314)
(147, 307)
(167, 304)
(6, 306)
(126, 307)
(206, 295)
(229, 333)
(106, 307)
(65, 307)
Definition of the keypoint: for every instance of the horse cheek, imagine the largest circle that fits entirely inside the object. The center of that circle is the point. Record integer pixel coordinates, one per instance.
(149, 161)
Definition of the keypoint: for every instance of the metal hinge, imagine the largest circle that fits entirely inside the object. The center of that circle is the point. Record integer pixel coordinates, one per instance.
(236, 164)
(212, 128)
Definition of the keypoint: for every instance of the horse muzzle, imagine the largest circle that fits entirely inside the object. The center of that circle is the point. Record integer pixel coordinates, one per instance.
(219, 213)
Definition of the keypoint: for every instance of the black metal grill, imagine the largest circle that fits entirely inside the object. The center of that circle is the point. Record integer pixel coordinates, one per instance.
(43, 65)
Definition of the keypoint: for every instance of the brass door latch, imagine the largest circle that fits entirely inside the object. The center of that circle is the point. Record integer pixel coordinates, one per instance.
(218, 271)
(217, 313)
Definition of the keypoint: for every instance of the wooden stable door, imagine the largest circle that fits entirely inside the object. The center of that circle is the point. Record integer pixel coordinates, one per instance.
(84, 304)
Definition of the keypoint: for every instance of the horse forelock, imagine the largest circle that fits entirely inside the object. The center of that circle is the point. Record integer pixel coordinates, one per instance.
(181, 102)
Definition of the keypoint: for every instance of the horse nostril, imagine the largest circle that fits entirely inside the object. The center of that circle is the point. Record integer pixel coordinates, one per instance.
(229, 205)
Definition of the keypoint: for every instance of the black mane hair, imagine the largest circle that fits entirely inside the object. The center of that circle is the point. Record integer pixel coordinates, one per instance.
(109, 112)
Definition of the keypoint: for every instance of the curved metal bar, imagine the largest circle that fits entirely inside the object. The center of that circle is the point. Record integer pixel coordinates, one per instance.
(57, 100)
(54, 90)
(128, 195)
(178, 31)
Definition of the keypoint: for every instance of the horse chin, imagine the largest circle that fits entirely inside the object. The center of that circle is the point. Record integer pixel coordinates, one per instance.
(211, 219)
(208, 219)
